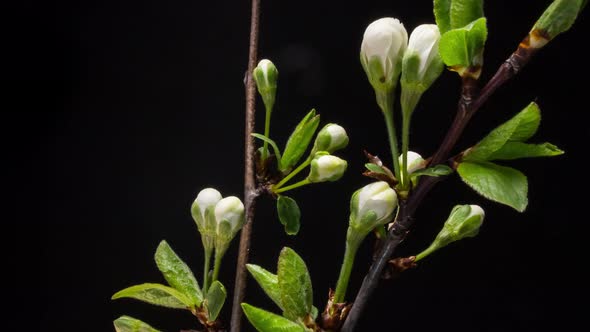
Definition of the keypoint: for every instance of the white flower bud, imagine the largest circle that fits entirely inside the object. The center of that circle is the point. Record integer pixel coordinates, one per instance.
(229, 214)
(331, 138)
(464, 221)
(415, 161)
(202, 209)
(371, 206)
(326, 167)
(422, 63)
(266, 76)
(382, 49)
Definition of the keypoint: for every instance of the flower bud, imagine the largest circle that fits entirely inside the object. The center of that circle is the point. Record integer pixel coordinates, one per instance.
(382, 49)
(229, 214)
(331, 138)
(266, 76)
(422, 64)
(464, 221)
(371, 206)
(202, 209)
(415, 162)
(325, 167)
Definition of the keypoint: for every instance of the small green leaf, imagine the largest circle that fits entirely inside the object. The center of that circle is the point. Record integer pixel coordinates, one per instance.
(516, 150)
(462, 48)
(521, 127)
(294, 284)
(215, 299)
(442, 15)
(268, 281)
(498, 183)
(130, 324)
(438, 170)
(559, 17)
(299, 140)
(289, 214)
(375, 168)
(272, 143)
(156, 294)
(265, 321)
(177, 273)
(463, 12)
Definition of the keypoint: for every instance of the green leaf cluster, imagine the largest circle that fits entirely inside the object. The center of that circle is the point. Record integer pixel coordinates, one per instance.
(290, 289)
(498, 183)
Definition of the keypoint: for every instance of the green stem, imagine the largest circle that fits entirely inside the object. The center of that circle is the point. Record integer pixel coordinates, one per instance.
(293, 173)
(293, 186)
(426, 252)
(392, 141)
(217, 264)
(266, 132)
(346, 269)
(409, 99)
(206, 267)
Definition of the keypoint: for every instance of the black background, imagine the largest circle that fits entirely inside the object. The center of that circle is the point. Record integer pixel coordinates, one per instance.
(123, 111)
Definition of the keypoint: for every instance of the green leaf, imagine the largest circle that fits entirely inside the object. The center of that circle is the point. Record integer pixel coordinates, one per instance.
(294, 284)
(268, 281)
(156, 294)
(375, 168)
(299, 140)
(454, 14)
(462, 48)
(178, 274)
(521, 127)
(438, 170)
(498, 183)
(442, 15)
(265, 321)
(559, 17)
(289, 214)
(215, 299)
(130, 324)
(463, 12)
(272, 143)
(516, 150)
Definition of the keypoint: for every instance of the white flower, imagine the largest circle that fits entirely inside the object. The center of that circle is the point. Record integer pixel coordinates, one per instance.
(230, 211)
(326, 167)
(331, 138)
(384, 43)
(375, 202)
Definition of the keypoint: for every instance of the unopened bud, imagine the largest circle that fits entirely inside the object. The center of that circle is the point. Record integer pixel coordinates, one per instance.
(371, 206)
(331, 138)
(202, 211)
(325, 167)
(266, 76)
(229, 214)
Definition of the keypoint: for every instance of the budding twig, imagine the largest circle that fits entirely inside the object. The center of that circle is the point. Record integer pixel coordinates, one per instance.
(468, 105)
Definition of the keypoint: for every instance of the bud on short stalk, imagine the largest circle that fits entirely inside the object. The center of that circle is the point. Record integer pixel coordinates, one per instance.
(330, 138)
(414, 160)
(325, 167)
(229, 214)
(371, 206)
(266, 75)
(202, 212)
(464, 221)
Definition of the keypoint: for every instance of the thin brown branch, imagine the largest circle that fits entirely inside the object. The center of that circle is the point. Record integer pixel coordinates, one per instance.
(467, 106)
(250, 193)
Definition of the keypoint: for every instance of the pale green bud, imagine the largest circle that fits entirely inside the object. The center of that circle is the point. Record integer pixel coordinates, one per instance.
(331, 138)
(371, 206)
(325, 167)
(415, 162)
(383, 46)
(229, 214)
(422, 64)
(266, 75)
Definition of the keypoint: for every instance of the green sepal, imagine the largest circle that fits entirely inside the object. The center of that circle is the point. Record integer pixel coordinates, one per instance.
(265, 321)
(299, 140)
(130, 324)
(215, 299)
(501, 184)
(156, 294)
(294, 284)
(289, 214)
(177, 273)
